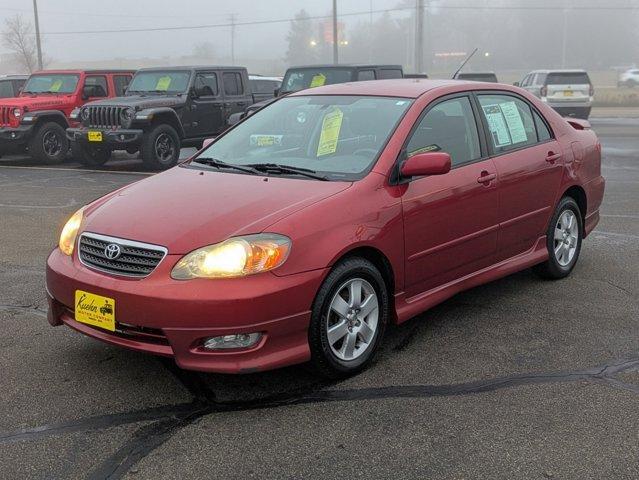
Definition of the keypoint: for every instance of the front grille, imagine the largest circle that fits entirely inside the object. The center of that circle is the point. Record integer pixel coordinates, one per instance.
(4, 115)
(134, 260)
(104, 117)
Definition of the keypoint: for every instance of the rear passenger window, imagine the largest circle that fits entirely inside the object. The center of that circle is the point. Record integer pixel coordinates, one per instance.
(543, 133)
(120, 82)
(390, 73)
(510, 122)
(448, 127)
(232, 83)
(366, 75)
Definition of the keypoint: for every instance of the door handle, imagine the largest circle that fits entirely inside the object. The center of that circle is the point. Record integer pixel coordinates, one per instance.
(227, 104)
(553, 157)
(486, 177)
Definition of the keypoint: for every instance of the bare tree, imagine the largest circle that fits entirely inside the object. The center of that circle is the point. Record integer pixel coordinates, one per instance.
(18, 38)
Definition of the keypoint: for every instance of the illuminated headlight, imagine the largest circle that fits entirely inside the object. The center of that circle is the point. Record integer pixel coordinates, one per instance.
(238, 340)
(75, 114)
(235, 257)
(70, 232)
(17, 112)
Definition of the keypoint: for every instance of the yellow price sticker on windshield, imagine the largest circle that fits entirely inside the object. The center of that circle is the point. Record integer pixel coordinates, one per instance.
(331, 126)
(318, 80)
(163, 83)
(56, 86)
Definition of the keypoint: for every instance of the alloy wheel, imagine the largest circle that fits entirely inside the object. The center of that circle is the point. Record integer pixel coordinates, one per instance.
(164, 147)
(566, 237)
(51, 143)
(352, 319)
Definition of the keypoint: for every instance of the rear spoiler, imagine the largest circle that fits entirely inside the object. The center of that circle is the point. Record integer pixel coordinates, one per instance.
(578, 123)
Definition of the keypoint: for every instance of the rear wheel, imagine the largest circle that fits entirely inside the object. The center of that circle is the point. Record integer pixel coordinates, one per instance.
(89, 155)
(49, 144)
(348, 319)
(161, 147)
(563, 241)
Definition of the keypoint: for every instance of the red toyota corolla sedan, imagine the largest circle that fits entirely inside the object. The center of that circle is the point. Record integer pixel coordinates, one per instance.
(300, 233)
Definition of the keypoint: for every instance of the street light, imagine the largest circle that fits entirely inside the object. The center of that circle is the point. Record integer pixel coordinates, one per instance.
(312, 43)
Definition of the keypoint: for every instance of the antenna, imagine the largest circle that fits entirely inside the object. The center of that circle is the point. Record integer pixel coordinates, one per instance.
(465, 62)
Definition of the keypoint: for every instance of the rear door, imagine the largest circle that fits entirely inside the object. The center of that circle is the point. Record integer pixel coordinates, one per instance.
(235, 92)
(207, 106)
(529, 165)
(450, 221)
(568, 86)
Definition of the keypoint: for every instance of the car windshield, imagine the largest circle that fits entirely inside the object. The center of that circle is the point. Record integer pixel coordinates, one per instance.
(159, 82)
(296, 80)
(568, 78)
(52, 83)
(338, 137)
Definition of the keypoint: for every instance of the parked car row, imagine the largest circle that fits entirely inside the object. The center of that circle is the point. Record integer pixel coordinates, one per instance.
(156, 111)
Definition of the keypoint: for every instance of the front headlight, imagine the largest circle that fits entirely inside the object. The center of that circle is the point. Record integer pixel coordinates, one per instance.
(70, 232)
(235, 257)
(75, 114)
(17, 112)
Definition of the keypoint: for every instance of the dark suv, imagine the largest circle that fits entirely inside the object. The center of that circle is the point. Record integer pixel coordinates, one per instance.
(10, 85)
(300, 78)
(163, 110)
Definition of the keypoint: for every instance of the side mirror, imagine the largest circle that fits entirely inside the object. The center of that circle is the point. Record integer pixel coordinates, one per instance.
(207, 142)
(432, 163)
(193, 93)
(276, 92)
(87, 90)
(517, 84)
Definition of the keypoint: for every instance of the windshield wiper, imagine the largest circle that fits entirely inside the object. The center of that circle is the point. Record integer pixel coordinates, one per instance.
(214, 162)
(284, 169)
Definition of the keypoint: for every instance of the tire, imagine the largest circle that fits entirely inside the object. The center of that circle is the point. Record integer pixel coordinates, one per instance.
(356, 336)
(49, 144)
(562, 256)
(161, 148)
(90, 156)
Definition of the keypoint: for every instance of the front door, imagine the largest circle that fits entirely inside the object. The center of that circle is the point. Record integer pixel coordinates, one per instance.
(206, 108)
(235, 93)
(529, 165)
(450, 221)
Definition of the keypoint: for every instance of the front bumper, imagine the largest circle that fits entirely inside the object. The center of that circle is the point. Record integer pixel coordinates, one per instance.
(15, 136)
(172, 318)
(119, 139)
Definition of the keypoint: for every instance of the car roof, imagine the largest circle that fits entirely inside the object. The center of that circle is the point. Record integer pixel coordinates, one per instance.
(261, 77)
(80, 70)
(561, 70)
(347, 65)
(191, 67)
(400, 87)
(476, 73)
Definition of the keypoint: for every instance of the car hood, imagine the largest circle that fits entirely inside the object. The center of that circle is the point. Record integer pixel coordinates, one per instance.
(187, 208)
(141, 102)
(44, 102)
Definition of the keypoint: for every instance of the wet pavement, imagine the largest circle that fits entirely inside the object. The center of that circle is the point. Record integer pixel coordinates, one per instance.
(517, 379)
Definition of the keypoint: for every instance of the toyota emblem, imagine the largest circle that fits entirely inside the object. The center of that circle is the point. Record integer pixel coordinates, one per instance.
(112, 251)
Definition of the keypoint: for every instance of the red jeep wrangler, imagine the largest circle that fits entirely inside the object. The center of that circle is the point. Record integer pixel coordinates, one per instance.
(37, 119)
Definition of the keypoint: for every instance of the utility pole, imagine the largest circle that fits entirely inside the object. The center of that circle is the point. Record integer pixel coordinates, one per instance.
(419, 36)
(232, 18)
(37, 32)
(335, 40)
(370, 33)
(564, 39)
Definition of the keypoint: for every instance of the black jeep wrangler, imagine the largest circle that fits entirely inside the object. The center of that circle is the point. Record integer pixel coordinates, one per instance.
(300, 78)
(163, 110)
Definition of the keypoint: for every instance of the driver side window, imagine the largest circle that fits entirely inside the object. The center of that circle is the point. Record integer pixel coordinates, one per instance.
(448, 127)
(206, 85)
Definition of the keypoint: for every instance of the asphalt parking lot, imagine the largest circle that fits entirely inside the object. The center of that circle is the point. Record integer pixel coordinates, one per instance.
(518, 379)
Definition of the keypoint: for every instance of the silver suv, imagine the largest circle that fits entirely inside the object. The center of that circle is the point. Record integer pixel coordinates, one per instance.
(570, 92)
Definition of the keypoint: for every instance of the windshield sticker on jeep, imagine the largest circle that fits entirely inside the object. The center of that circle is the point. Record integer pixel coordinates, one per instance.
(257, 140)
(331, 126)
(497, 125)
(430, 148)
(163, 83)
(318, 80)
(514, 122)
(56, 86)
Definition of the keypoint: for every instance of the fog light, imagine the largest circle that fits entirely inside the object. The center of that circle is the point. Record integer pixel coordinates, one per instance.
(238, 340)
(13, 134)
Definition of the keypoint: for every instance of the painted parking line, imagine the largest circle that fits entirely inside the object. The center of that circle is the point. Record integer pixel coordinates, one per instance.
(79, 170)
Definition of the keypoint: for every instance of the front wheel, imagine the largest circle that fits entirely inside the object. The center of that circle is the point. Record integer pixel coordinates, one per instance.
(49, 145)
(161, 148)
(90, 156)
(348, 319)
(563, 240)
